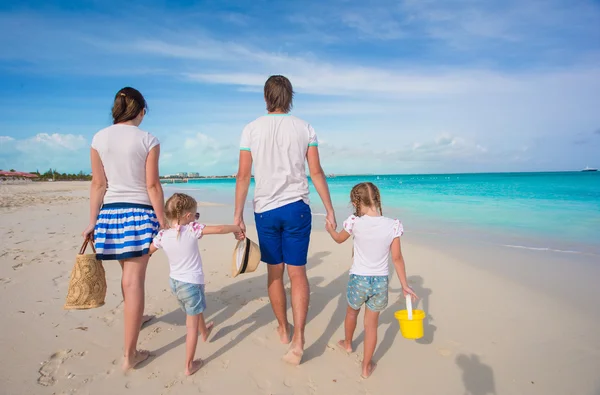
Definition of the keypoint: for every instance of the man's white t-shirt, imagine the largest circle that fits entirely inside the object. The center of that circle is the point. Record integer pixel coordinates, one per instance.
(182, 252)
(373, 237)
(278, 144)
(124, 150)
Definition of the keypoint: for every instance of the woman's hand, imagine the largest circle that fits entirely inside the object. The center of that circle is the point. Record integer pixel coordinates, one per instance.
(329, 227)
(408, 291)
(330, 220)
(88, 233)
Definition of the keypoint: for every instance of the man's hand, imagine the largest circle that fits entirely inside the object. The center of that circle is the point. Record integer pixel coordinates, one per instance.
(242, 234)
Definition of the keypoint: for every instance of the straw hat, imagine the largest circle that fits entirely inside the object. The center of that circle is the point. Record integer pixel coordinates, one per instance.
(246, 257)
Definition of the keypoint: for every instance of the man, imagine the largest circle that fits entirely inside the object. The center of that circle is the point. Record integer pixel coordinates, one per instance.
(279, 145)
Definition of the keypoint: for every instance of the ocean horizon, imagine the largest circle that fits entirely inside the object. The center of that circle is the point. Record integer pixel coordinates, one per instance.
(549, 211)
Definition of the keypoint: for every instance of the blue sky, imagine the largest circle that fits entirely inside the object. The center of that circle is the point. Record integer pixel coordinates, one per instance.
(389, 86)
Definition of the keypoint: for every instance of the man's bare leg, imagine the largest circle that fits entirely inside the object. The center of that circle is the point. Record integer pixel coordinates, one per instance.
(278, 300)
(300, 300)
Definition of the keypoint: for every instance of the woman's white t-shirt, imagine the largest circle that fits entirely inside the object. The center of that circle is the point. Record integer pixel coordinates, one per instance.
(373, 237)
(181, 247)
(123, 150)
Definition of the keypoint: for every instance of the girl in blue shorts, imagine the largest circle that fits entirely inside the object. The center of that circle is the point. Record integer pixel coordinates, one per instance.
(374, 237)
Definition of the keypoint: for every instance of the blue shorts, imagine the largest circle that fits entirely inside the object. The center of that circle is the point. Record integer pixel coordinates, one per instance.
(369, 290)
(284, 234)
(190, 296)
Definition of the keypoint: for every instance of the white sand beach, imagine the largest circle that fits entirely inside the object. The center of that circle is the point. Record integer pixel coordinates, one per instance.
(490, 330)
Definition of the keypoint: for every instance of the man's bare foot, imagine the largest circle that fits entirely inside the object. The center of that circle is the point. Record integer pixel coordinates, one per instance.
(368, 370)
(146, 319)
(345, 346)
(131, 362)
(284, 334)
(209, 328)
(293, 356)
(193, 367)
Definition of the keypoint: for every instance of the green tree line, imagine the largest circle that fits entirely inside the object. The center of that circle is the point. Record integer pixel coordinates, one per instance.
(58, 176)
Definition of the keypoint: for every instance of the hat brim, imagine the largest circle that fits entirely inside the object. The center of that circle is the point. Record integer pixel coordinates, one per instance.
(246, 257)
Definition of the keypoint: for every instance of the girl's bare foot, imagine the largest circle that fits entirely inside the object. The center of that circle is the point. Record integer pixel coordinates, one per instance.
(132, 361)
(209, 328)
(193, 367)
(284, 334)
(345, 346)
(368, 370)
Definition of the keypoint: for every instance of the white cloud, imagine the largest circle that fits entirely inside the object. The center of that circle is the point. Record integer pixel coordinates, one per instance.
(64, 152)
(197, 152)
(445, 153)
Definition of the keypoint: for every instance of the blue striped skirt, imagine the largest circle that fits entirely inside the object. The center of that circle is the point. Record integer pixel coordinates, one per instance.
(124, 230)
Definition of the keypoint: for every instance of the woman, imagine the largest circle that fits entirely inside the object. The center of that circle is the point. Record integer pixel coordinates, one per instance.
(126, 206)
(279, 145)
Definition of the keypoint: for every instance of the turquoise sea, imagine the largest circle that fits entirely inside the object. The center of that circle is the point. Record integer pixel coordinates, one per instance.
(547, 211)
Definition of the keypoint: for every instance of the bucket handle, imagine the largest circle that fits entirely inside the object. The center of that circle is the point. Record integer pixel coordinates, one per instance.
(409, 308)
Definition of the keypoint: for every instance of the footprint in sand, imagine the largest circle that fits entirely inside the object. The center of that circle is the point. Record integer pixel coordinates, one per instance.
(262, 385)
(4, 281)
(288, 382)
(50, 368)
(444, 352)
(312, 387)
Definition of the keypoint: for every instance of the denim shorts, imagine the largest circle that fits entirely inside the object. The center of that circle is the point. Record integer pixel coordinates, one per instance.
(369, 290)
(190, 296)
(284, 234)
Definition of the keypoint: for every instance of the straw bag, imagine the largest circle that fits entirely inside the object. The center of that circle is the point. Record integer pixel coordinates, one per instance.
(87, 287)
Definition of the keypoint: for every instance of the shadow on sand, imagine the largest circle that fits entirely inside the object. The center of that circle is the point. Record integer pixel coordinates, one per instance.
(227, 301)
(477, 377)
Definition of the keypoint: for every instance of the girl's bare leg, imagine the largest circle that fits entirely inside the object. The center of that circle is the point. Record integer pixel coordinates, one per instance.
(371, 324)
(350, 327)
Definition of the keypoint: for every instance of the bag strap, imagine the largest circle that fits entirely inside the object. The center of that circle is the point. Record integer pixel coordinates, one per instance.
(87, 240)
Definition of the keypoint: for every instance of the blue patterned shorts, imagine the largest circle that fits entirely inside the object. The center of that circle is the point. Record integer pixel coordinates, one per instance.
(369, 290)
(190, 296)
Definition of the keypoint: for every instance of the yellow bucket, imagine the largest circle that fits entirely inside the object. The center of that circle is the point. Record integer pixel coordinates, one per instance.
(411, 321)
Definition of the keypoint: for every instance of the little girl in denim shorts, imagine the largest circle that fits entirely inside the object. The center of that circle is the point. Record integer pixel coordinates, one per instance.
(374, 237)
(180, 243)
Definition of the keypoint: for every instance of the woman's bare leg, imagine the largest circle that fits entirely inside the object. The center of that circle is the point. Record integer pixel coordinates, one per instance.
(133, 287)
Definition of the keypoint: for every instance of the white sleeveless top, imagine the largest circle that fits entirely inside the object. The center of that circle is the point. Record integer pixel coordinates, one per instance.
(123, 150)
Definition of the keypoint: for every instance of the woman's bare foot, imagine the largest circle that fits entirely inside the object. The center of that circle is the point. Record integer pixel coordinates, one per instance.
(345, 346)
(146, 319)
(193, 367)
(368, 370)
(293, 356)
(209, 328)
(284, 334)
(131, 362)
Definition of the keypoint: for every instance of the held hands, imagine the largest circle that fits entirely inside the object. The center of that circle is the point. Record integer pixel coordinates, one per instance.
(329, 227)
(330, 219)
(241, 233)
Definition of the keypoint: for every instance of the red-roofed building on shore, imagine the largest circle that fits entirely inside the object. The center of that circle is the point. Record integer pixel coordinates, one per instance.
(16, 177)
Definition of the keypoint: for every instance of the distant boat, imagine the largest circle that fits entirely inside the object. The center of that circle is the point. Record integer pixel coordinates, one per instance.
(587, 168)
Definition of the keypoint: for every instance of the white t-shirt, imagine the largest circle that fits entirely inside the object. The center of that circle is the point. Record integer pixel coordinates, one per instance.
(278, 143)
(123, 150)
(373, 237)
(183, 252)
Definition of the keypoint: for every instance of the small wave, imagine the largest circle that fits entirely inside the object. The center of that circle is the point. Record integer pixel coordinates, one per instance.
(319, 215)
(541, 249)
